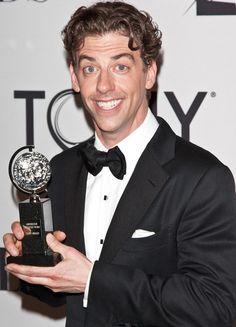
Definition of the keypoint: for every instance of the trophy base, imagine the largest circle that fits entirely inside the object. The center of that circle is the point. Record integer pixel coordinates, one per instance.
(38, 260)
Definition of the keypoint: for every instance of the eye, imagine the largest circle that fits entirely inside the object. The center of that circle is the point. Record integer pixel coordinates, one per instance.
(89, 69)
(121, 68)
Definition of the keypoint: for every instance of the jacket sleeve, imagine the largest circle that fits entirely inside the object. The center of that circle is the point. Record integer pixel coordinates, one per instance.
(202, 293)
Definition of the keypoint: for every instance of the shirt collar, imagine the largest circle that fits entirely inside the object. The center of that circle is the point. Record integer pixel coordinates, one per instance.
(135, 143)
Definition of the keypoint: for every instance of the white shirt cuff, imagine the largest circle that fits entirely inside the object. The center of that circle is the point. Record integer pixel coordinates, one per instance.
(86, 292)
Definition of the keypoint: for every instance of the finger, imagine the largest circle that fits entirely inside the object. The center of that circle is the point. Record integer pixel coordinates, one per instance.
(17, 230)
(55, 245)
(46, 282)
(60, 236)
(26, 230)
(11, 244)
(33, 280)
(30, 271)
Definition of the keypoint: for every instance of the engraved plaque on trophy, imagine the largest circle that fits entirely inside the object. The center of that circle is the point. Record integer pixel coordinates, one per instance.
(30, 173)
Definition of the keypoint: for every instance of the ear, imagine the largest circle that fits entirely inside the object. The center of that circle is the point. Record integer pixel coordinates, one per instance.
(151, 75)
(74, 79)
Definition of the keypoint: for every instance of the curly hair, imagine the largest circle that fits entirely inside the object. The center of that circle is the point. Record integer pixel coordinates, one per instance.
(113, 16)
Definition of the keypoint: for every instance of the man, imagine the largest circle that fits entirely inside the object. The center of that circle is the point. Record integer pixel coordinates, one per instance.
(155, 245)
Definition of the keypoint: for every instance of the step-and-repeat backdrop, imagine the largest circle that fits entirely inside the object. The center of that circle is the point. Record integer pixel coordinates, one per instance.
(196, 94)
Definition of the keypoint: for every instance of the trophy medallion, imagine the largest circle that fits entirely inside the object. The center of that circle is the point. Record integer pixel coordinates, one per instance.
(30, 173)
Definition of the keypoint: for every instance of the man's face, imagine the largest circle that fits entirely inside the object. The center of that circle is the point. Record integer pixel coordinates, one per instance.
(112, 81)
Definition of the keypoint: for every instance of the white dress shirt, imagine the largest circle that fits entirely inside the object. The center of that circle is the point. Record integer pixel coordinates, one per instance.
(104, 191)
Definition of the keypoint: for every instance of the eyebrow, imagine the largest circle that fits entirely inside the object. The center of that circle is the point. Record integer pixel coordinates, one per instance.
(116, 57)
(85, 57)
(128, 55)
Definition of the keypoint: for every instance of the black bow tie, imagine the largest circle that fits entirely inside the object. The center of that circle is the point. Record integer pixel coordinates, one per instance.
(95, 160)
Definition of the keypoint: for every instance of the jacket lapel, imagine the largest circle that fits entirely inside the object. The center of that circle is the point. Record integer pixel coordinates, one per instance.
(146, 182)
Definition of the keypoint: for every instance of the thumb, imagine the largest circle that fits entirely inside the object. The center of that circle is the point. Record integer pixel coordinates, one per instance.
(54, 244)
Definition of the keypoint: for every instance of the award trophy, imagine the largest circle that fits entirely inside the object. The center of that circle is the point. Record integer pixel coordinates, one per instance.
(30, 173)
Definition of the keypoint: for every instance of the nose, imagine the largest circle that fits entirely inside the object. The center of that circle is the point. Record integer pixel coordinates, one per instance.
(105, 82)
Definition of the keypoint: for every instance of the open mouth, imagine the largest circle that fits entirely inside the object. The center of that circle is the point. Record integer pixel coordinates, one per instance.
(108, 105)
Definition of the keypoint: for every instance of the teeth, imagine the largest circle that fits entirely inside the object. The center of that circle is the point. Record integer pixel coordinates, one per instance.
(107, 105)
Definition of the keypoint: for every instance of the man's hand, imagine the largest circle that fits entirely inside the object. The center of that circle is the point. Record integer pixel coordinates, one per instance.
(70, 275)
(12, 241)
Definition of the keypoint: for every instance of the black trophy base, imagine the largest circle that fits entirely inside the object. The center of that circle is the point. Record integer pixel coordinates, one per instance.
(38, 260)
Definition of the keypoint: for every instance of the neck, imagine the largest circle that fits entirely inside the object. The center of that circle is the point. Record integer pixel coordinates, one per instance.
(110, 138)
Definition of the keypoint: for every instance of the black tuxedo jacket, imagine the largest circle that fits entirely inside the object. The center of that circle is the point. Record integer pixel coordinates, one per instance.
(185, 274)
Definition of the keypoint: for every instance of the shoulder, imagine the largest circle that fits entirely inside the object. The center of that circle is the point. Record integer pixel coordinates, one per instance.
(68, 155)
(194, 154)
(189, 160)
(196, 161)
(65, 156)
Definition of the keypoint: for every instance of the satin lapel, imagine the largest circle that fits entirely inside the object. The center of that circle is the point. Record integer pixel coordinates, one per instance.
(146, 182)
(75, 190)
